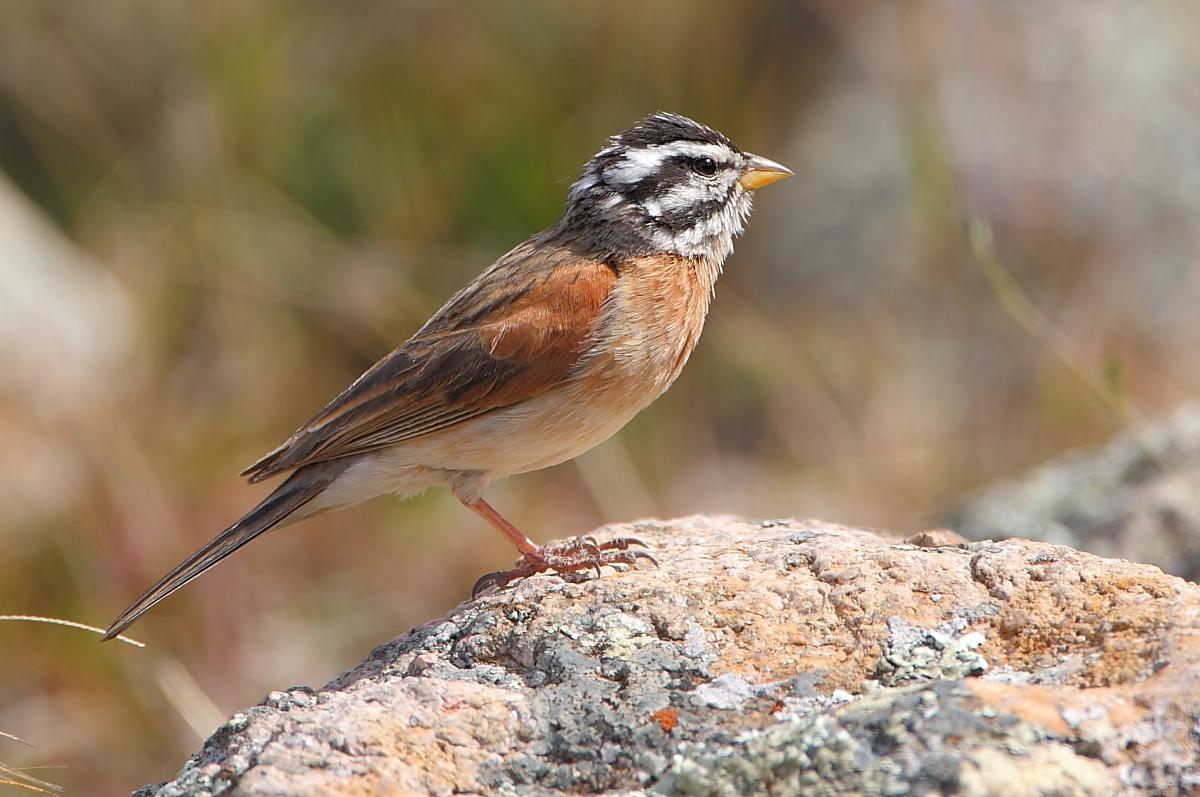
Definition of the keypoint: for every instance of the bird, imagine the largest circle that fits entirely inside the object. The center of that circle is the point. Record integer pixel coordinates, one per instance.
(545, 354)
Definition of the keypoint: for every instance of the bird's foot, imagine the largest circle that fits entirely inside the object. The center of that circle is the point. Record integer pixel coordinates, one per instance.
(571, 558)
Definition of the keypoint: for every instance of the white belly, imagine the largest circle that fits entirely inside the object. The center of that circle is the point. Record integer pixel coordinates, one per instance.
(543, 431)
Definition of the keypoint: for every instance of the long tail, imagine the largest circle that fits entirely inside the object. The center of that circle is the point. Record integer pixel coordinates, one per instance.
(301, 487)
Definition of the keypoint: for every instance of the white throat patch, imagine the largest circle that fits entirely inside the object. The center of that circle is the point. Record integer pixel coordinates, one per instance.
(711, 237)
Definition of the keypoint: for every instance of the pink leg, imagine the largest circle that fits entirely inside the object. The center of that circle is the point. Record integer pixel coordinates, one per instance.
(526, 546)
(571, 556)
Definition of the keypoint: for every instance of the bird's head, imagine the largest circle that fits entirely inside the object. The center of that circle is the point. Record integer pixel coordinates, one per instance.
(668, 184)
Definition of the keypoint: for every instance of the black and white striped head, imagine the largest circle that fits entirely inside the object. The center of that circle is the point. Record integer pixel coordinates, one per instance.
(669, 184)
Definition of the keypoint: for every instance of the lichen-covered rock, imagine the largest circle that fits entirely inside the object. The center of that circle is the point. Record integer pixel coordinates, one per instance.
(773, 657)
(911, 653)
(1136, 497)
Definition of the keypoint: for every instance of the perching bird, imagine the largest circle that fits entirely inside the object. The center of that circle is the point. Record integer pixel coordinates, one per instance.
(548, 352)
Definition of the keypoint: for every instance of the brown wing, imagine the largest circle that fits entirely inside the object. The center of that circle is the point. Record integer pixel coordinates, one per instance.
(514, 332)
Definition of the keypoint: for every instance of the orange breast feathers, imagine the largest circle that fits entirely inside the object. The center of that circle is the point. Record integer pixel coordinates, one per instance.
(650, 324)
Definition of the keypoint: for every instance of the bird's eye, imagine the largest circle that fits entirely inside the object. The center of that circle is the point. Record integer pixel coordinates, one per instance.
(705, 166)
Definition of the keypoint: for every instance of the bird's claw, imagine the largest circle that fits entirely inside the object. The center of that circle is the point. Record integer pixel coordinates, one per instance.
(569, 559)
(622, 544)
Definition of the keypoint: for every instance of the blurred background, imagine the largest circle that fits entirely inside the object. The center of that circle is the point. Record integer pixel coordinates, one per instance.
(214, 215)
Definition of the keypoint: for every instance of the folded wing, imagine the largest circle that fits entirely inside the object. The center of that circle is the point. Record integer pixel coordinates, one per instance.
(513, 333)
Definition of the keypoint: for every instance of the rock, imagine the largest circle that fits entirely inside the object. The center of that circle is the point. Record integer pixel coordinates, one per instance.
(1137, 498)
(775, 657)
(911, 653)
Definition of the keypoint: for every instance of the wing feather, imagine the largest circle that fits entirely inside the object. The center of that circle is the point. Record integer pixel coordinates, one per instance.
(514, 332)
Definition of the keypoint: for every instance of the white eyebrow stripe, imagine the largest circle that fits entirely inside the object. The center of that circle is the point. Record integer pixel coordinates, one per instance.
(638, 164)
(635, 165)
(696, 149)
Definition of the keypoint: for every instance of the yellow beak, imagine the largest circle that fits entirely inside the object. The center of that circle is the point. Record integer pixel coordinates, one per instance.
(762, 171)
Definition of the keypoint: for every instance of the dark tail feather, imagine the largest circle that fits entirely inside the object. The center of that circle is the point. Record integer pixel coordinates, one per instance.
(300, 488)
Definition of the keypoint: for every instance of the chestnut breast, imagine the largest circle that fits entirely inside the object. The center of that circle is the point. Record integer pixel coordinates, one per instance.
(647, 328)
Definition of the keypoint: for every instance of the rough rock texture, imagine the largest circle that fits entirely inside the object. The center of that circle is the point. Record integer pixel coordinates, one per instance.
(770, 657)
(1137, 497)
